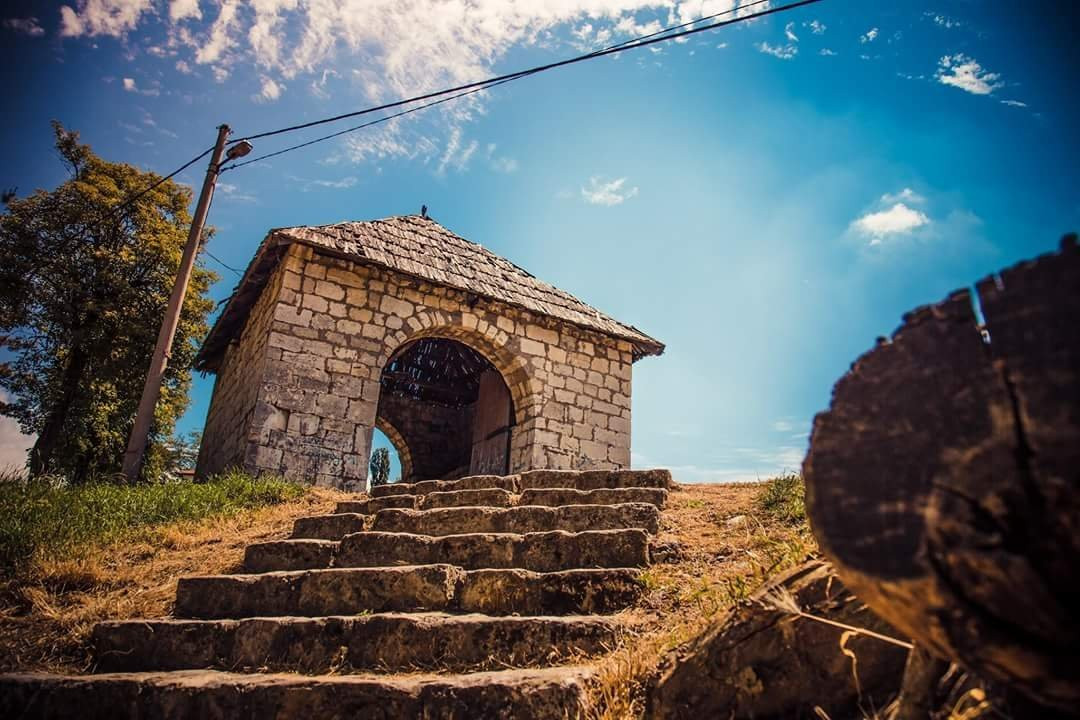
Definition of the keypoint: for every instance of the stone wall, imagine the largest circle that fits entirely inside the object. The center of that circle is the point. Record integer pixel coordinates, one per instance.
(335, 324)
(227, 438)
(439, 438)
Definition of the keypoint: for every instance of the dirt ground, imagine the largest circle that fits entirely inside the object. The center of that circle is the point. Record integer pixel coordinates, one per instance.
(44, 625)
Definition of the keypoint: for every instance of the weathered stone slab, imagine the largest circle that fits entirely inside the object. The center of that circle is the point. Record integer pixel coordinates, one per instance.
(319, 592)
(373, 505)
(761, 662)
(526, 519)
(542, 552)
(348, 591)
(488, 497)
(289, 555)
(474, 482)
(595, 479)
(328, 527)
(600, 496)
(390, 641)
(548, 694)
(592, 591)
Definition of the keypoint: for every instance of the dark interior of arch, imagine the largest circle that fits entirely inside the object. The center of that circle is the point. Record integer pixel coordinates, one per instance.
(451, 408)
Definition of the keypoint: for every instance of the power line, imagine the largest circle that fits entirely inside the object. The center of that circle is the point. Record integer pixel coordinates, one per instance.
(218, 260)
(494, 83)
(125, 203)
(644, 41)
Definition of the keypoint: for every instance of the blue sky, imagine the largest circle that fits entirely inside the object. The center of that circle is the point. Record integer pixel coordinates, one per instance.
(767, 199)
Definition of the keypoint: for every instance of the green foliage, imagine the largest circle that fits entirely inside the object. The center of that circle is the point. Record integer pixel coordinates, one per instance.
(380, 467)
(784, 498)
(83, 288)
(41, 518)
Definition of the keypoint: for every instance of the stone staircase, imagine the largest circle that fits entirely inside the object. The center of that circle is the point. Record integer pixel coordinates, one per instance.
(483, 597)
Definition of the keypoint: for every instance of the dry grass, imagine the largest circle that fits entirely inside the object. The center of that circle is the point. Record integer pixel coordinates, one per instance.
(46, 616)
(730, 542)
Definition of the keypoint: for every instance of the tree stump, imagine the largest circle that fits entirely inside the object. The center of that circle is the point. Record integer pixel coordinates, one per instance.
(944, 480)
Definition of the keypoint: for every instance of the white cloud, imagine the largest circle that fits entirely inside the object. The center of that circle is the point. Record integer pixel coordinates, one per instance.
(232, 192)
(26, 26)
(182, 9)
(129, 85)
(318, 87)
(869, 36)
(500, 163)
(14, 446)
(944, 21)
(789, 32)
(1014, 103)
(897, 220)
(784, 52)
(608, 193)
(456, 155)
(271, 89)
(965, 73)
(827, 52)
(221, 32)
(816, 26)
(102, 17)
(907, 194)
(183, 67)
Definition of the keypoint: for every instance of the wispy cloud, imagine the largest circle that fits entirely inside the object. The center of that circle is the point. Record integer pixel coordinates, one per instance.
(789, 32)
(269, 91)
(784, 52)
(827, 52)
(102, 17)
(457, 154)
(943, 20)
(816, 26)
(609, 193)
(308, 184)
(232, 192)
(869, 36)
(500, 163)
(131, 87)
(965, 73)
(1014, 103)
(905, 195)
(26, 26)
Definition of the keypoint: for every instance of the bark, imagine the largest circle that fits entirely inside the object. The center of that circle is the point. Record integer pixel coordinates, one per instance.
(51, 432)
(944, 481)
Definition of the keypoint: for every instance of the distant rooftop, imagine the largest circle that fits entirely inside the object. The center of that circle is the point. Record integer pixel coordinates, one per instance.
(417, 246)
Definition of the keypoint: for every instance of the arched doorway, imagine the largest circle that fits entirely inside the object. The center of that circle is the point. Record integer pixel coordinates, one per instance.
(449, 407)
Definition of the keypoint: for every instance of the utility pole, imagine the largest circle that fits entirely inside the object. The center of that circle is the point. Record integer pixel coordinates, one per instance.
(133, 458)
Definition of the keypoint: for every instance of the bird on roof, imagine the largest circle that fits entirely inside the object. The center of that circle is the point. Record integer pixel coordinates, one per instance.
(423, 211)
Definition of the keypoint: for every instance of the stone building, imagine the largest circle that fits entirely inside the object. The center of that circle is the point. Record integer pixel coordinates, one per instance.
(469, 364)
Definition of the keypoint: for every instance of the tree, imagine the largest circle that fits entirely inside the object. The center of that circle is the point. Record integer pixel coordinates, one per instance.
(83, 287)
(380, 467)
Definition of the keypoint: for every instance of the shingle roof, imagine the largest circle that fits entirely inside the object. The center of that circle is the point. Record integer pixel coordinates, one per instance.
(420, 247)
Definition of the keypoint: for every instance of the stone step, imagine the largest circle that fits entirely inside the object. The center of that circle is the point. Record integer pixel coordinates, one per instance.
(389, 642)
(541, 552)
(348, 591)
(328, 527)
(601, 496)
(473, 482)
(595, 479)
(548, 694)
(290, 555)
(523, 519)
(576, 479)
(488, 497)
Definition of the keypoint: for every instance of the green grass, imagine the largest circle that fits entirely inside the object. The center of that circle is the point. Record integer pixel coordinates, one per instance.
(784, 499)
(41, 520)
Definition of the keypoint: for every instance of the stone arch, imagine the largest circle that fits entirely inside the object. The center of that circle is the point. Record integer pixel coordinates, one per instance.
(398, 441)
(525, 392)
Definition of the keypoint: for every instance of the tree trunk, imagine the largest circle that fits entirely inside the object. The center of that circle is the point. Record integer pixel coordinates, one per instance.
(944, 481)
(41, 454)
